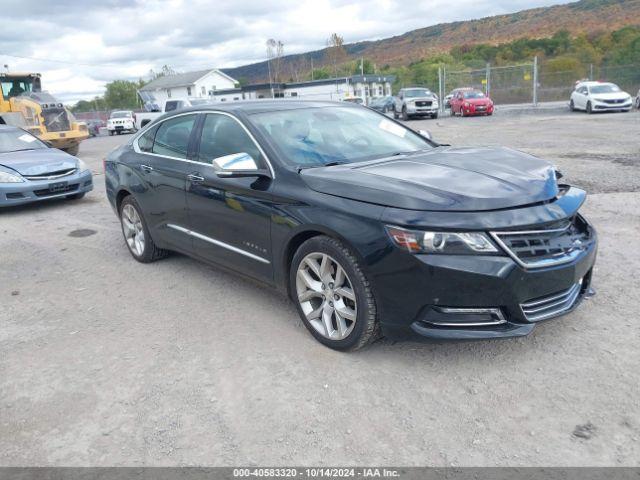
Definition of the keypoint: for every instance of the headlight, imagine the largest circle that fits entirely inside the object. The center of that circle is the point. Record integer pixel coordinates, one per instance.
(451, 243)
(6, 177)
(82, 166)
(467, 104)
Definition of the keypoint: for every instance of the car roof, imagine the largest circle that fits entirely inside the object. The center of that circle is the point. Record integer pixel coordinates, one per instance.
(260, 106)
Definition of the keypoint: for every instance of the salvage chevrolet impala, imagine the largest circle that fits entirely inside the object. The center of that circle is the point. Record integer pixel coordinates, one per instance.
(371, 228)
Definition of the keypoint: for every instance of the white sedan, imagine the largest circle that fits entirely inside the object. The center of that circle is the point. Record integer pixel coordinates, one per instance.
(599, 97)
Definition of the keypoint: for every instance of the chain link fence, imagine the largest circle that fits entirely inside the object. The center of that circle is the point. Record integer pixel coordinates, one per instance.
(536, 81)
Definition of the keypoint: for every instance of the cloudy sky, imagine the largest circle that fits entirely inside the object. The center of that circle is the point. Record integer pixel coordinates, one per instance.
(79, 46)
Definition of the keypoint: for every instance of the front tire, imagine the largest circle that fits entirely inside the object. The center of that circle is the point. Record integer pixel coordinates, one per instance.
(405, 115)
(589, 108)
(111, 133)
(332, 294)
(572, 106)
(434, 115)
(136, 233)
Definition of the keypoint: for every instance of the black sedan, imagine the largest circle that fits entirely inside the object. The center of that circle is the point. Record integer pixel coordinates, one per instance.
(383, 104)
(368, 226)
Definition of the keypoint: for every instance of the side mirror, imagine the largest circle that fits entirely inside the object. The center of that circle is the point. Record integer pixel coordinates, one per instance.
(238, 165)
(426, 134)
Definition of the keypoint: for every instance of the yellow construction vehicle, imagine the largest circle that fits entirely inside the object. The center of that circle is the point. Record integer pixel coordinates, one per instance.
(24, 104)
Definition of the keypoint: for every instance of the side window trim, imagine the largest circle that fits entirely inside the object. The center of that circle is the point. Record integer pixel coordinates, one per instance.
(136, 148)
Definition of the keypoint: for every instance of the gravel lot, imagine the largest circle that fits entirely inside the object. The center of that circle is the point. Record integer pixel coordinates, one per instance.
(107, 362)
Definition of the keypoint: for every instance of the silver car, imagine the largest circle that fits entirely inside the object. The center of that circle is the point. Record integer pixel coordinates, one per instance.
(31, 170)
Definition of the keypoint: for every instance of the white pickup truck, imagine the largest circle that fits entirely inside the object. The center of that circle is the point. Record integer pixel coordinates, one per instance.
(121, 121)
(145, 118)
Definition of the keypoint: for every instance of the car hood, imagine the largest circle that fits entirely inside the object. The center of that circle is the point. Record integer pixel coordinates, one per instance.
(478, 101)
(421, 99)
(611, 96)
(38, 162)
(443, 179)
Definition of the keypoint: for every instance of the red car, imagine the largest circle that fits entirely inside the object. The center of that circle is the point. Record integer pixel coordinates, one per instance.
(471, 102)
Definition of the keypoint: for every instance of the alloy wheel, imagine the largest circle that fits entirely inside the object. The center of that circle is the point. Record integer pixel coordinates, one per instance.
(133, 229)
(326, 296)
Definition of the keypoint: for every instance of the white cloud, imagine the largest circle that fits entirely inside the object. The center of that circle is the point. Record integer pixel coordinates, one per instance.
(112, 39)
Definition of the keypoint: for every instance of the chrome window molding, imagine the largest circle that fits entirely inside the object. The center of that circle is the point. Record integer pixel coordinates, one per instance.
(218, 243)
(136, 147)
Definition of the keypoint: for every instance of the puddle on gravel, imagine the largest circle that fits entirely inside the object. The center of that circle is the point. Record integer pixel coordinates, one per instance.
(82, 232)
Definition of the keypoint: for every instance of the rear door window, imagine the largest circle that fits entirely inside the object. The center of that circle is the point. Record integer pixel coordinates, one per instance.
(145, 142)
(172, 136)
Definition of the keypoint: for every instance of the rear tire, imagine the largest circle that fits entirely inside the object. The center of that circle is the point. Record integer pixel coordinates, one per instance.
(136, 233)
(351, 322)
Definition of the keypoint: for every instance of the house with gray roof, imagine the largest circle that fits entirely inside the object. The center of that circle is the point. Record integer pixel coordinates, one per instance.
(188, 85)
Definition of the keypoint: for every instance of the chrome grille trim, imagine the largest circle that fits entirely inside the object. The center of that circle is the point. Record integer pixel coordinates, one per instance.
(552, 305)
(545, 247)
(52, 175)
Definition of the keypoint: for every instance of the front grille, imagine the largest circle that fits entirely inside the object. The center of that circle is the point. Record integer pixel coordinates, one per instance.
(56, 120)
(551, 305)
(52, 175)
(423, 103)
(14, 195)
(614, 102)
(558, 243)
(45, 192)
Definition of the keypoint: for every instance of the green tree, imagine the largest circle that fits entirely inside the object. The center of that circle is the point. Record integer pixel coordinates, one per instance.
(122, 94)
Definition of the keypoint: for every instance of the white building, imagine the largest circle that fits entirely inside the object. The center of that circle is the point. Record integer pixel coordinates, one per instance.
(182, 86)
(335, 89)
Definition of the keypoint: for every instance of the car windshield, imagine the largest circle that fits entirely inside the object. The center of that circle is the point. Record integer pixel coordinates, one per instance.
(605, 88)
(473, 95)
(17, 140)
(120, 114)
(417, 92)
(319, 136)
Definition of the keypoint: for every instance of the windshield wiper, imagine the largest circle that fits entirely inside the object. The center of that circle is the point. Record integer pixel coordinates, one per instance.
(330, 164)
(21, 150)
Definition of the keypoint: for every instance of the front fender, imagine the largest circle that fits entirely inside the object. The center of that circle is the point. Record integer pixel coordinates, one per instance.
(356, 224)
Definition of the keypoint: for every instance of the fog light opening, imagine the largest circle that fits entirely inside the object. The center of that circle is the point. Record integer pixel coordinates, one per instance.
(465, 317)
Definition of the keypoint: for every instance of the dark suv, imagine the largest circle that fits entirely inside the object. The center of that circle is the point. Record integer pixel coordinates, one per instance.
(370, 227)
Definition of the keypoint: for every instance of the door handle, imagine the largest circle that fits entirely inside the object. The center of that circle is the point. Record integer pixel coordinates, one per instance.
(146, 168)
(195, 178)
